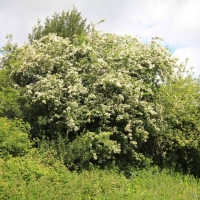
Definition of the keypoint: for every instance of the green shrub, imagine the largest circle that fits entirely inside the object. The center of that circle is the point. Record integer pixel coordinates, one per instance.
(14, 139)
(11, 102)
(28, 178)
(10, 99)
(20, 176)
(79, 153)
(93, 148)
(178, 146)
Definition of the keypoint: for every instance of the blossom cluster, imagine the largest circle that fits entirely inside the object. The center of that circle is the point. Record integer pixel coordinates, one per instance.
(104, 84)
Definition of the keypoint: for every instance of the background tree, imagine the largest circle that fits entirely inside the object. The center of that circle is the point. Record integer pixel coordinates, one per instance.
(10, 99)
(66, 24)
(178, 145)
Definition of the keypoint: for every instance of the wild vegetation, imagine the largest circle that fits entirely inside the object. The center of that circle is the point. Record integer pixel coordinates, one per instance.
(92, 115)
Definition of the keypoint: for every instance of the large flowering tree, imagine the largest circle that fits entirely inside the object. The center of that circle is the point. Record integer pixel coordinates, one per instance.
(101, 90)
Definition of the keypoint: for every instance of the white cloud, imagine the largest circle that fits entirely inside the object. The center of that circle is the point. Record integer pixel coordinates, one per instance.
(192, 53)
(177, 22)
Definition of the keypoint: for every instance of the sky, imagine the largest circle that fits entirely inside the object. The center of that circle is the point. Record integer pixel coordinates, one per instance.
(177, 22)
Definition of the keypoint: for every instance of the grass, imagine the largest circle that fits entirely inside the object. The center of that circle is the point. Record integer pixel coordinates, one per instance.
(30, 178)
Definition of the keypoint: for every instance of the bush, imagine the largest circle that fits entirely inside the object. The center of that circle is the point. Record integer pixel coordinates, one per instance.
(106, 84)
(179, 145)
(26, 178)
(14, 139)
(10, 99)
(93, 148)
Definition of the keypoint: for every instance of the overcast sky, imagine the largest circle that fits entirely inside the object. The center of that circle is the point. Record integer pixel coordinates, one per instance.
(175, 21)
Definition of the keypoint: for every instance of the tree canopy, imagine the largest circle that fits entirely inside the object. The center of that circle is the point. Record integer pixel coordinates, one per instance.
(66, 25)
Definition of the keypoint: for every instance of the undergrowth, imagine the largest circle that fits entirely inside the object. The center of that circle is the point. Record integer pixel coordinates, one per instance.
(31, 177)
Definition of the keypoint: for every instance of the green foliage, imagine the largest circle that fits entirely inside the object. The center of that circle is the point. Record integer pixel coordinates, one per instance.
(27, 178)
(10, 99)
(20, 177)
(14, 139)
(106, 84)
(51, 151)
(11, 102)
(8, 51)
(66, 25)
(91, 147)
(179, 144)
(164, 184)
(77, 154)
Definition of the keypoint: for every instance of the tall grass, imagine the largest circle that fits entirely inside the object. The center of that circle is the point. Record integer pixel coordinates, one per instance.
(27, 178)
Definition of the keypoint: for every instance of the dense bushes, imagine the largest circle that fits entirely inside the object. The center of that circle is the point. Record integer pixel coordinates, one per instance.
(14, 139)
(10, 99)
(180, 143)
(28, 178)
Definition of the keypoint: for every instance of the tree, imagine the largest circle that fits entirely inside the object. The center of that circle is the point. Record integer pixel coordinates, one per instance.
(10, 99)
(179, 143)
(66, 24)
(102, 88)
